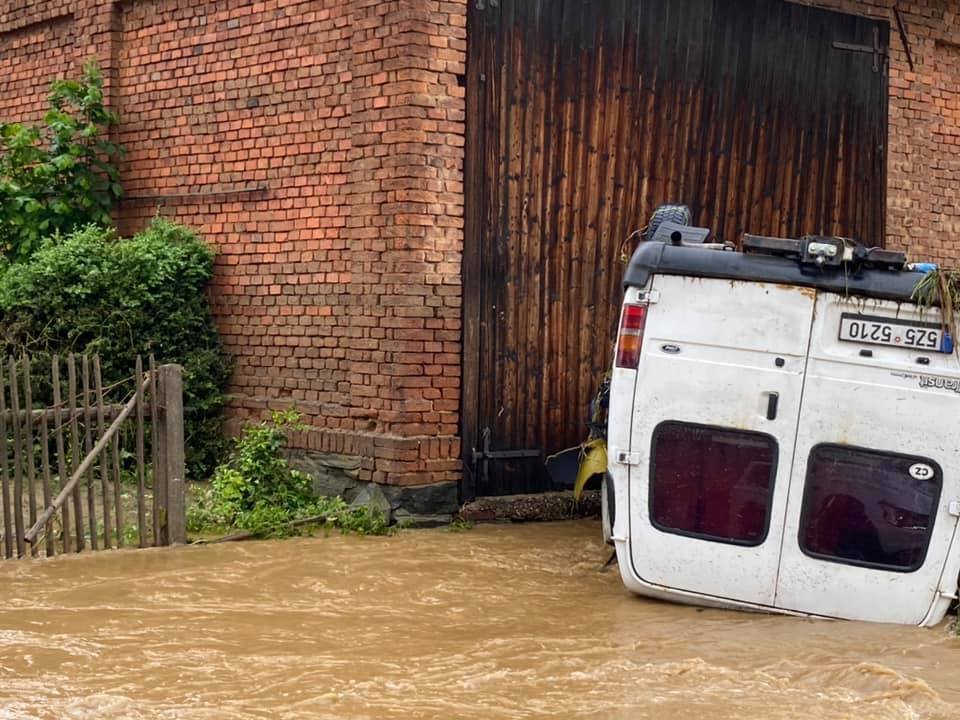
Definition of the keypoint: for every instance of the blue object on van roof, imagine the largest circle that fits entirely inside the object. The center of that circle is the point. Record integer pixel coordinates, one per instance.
(924, 267)
(946, 343)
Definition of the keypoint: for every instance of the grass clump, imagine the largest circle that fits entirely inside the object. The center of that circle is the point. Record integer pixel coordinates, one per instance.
(940, 287)
(460, 524)
(257, 491)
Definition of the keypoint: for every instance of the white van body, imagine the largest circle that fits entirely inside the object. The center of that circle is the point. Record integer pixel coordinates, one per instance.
(788, 441)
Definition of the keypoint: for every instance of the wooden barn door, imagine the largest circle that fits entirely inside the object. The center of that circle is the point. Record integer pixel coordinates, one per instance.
(583, 115)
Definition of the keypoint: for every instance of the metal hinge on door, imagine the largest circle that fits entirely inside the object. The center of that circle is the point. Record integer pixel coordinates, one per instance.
(485, 454)
(625, 458)
(650, 296)
(878, 51)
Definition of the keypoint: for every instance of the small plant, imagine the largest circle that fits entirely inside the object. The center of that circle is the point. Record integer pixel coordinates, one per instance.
(257, 491)
(940, 287)
(61, 176)
(460, 524)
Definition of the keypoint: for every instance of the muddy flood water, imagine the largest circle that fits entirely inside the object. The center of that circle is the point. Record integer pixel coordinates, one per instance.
(495, 622)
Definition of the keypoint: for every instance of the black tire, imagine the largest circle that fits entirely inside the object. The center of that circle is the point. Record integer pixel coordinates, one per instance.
(679, 214)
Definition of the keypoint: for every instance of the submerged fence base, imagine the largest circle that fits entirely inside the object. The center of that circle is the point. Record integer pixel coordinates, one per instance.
(68, 480)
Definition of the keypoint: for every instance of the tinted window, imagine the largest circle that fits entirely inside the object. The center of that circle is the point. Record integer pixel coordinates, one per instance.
(712, 482)
(869, 508)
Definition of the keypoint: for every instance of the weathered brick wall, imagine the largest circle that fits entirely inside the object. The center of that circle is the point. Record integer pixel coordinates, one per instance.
(35, 46)
(319, 145)
(923, 163)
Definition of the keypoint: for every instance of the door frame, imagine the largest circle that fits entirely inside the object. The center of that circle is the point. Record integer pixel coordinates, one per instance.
(471, 264)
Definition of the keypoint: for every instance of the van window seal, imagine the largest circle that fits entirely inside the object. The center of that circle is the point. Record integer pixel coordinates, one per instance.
(838, 560)
(772, 484)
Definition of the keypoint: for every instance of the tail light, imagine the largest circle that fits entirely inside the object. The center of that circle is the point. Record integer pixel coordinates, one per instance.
(630, 340)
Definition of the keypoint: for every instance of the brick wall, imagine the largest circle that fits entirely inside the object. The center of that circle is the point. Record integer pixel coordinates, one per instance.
(319, 145)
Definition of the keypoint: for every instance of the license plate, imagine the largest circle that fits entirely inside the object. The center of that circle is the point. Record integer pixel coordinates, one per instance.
(865, 329)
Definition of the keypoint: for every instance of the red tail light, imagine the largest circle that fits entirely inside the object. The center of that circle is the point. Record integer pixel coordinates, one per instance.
(630, 340)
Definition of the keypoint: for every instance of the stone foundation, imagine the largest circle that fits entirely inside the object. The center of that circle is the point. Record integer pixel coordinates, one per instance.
(336, 474)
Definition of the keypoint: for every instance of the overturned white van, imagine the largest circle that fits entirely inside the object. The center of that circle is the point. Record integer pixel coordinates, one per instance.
(782, 432)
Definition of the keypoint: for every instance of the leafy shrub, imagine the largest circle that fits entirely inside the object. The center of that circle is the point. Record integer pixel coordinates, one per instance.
(94, 292)
(256, 490)
(61, 176)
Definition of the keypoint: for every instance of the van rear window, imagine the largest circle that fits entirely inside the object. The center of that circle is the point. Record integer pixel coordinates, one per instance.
(712, 483)
(869, 508)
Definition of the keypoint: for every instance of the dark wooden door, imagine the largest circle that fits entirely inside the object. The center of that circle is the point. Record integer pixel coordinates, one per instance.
(763, 116)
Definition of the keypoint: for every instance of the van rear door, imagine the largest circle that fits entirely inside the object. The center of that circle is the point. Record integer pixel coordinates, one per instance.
(712, 435)
(869, 524)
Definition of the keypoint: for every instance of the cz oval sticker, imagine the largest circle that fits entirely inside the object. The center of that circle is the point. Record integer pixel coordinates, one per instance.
(920, 471)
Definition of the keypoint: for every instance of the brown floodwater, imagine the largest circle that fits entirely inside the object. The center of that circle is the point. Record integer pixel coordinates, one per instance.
(496, 622)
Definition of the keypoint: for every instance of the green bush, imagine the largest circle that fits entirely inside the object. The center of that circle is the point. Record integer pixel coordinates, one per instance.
(60, 176)
(93, 292)
(257, 491)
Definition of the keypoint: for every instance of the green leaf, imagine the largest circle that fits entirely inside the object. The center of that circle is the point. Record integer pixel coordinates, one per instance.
(66, 166)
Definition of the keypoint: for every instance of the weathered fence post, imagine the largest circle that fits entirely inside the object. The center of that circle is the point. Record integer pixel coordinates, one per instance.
(173, 528)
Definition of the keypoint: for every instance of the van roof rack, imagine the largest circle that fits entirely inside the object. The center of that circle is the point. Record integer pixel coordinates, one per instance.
(831, 264)
(824, 251)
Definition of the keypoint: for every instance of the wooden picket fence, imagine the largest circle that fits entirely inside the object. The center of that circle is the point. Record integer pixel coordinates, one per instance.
(67, 467)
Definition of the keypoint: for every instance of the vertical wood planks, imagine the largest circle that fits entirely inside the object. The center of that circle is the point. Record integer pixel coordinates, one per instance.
(44, 458)
(117, 489)
(173, 529)
(28, 458)
(58, 422)
(141, 461)
(104, 456)
(75, 448)
(50, 538)
(155, 449)
(5, 472)
(17, 457)
(582, 118)
(87, 447)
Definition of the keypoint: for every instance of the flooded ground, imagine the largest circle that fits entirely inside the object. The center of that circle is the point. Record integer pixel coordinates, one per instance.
(496, 622)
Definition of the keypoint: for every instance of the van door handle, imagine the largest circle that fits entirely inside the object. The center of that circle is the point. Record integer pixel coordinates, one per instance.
(773, 399)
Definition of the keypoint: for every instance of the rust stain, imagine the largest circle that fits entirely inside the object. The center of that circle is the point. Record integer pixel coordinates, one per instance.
(807, 291)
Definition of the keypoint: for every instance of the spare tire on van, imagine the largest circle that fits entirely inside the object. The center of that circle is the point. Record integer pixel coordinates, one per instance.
(671, 212)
